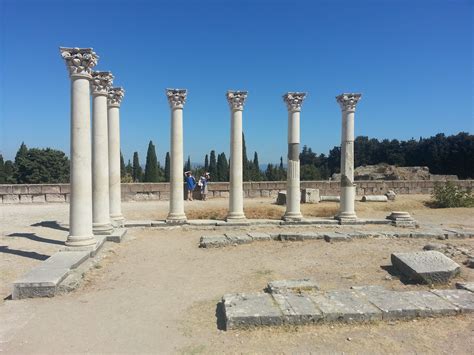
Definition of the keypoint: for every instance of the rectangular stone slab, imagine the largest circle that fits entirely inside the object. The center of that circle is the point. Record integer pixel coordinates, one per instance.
(41, 281)
(66, 259)
(394, 305)
(336, 237)
(297, 286)
(259, 236)
(345, 306)
(462, 299)
(431, 305)
(117, 235)
(431, 267)
(235, 238)
(213, 241)
(297, 309)
(244, 310)
(465, 286)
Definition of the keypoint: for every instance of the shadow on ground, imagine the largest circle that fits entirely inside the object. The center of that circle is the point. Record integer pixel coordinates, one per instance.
(220, 316)
(36, 238)
(27, 254)
(50, 224)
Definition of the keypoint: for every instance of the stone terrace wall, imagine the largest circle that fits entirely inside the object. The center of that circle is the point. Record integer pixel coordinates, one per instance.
(160, 191)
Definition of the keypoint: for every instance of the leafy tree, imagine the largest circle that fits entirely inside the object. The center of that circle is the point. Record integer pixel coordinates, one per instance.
(152, 173)
(222, 168)
(137, 170)
(42, 166)
(21, 153)
(167, 167)
(9, 171)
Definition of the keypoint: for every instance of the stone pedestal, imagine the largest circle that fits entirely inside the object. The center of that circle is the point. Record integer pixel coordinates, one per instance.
(236, 101)
(293, 102)
(100, 85)
(114, 100)
(80, 62)
(348, 102)
(176, 100)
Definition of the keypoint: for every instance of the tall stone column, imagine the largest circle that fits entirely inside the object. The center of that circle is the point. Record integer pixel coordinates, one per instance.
(176, 100)
(293, 101)
(115, 202)
(101, 84)
(80, 62)
(236, 101)
(348, 102)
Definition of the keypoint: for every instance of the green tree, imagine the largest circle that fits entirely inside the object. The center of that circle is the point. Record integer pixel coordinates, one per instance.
(213, 165)
(3, 177)
(167, 167)
(222, 168)
(42, 166)
(187, 166)
(245, 162)
(206, 163)
(9, 171)
(152, 173)
(122, 167)
(137, 170)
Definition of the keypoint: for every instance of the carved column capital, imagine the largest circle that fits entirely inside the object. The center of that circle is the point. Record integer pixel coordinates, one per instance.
(294, 100)
(236, 99)
(115, 96)
(176, 97)
(348, 101)
(101, 82)
(79, 61)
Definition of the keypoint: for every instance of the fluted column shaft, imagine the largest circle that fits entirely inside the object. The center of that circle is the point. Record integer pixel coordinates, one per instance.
(176, 99)
(79, 62)
(348, 188)
(236, 101)
(101, 82)
(115, 193)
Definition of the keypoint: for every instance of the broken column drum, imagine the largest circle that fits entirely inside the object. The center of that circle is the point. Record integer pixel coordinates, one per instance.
(101, 83)
(348, 102)
(113, 103)
(236, 101)
(293, 102)
(80, 62)
(176, 100)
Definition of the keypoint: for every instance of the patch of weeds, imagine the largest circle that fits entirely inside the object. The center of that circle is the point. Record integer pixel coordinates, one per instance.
(450, 196)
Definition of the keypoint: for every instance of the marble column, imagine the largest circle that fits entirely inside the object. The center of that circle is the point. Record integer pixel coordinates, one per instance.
(236, 101)
(115, 97)
(176, 100)
(293, 102)
(101, 83)
(348, 102)
(80, 62)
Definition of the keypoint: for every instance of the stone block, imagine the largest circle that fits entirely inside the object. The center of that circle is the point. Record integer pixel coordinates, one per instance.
(265, 193)
(26, 199)
(295, 286)
(330, 198)
(431, 267)
(66, 259)
(427, 234)
(34, 189)
(138, 223)
(6, 189)
(345, 306)
(246, 310)
(164, 195)
(20, 189)
(394, 305)
(117, 235)
(236, 238)
(309, 195)
(50, 189)
(224, 194)
(336, 237)
(281, 198)
(469, 286)
(374, 198)
(430, 305)
(297, 309)
(55, 197)
(258, 236)
(462, 299)
(11, 199)
(213, 241)
(65, 188)
(39, 198)
(357, 235)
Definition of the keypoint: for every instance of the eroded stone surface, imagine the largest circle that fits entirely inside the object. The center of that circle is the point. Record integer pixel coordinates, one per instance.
(298, 309)
(238, 238)
(469, 286)
(462, 299)
(430, 267)
(259, 236)
(336, 237)
(296, 286)
(214, 241)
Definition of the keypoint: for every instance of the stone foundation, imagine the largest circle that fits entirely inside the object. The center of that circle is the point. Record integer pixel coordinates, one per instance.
(59, 193)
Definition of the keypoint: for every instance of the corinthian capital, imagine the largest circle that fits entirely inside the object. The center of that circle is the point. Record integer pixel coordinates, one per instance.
(176, 97)
(236, 99)
(79, 61)
(115, 96)
(294, 100)
(348, 101)
(101, 82)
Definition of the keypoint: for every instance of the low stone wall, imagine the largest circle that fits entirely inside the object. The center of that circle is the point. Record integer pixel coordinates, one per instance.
(160, 191)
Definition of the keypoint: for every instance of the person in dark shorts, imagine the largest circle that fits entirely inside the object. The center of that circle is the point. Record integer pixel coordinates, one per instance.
(190, 184)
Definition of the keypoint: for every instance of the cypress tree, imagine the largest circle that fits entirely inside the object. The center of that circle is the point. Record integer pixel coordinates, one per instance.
(187, 166)
(137, 171)
(122, 166)
(129, 168)
(21, 153)
(151, 166)
(245, 162)
(3, 178)
(206, 163)
(167, 167)
(213, 165)
(9, 169)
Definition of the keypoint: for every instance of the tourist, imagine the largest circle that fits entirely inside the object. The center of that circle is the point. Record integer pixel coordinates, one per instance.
(203, 184)
(190, 184)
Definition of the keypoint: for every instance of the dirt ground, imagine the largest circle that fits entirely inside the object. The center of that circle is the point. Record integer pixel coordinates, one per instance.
(157, 292)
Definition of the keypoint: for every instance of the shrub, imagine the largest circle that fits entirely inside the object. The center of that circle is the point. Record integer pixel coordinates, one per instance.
(449, 196)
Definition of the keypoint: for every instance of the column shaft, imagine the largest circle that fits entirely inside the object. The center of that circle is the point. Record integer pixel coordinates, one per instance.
(293, 191)
(115, 192)
(80, 206)
(348, 189)
(236, 197)
(100, 166)
(176, 212)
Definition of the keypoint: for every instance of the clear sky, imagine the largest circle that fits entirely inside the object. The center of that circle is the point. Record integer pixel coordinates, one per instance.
(412, 60)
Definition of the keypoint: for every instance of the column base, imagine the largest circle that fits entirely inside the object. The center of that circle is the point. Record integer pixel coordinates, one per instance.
(102, 228)
(176, 218)
(346, 216)
(118, 221)
(292, 216)
(235, 216)
(81, 241)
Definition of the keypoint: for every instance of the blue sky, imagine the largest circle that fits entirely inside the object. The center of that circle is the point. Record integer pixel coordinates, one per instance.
(411, 60)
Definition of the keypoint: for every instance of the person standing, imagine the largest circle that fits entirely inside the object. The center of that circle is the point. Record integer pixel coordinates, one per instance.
(190, 184)
(203, 184)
